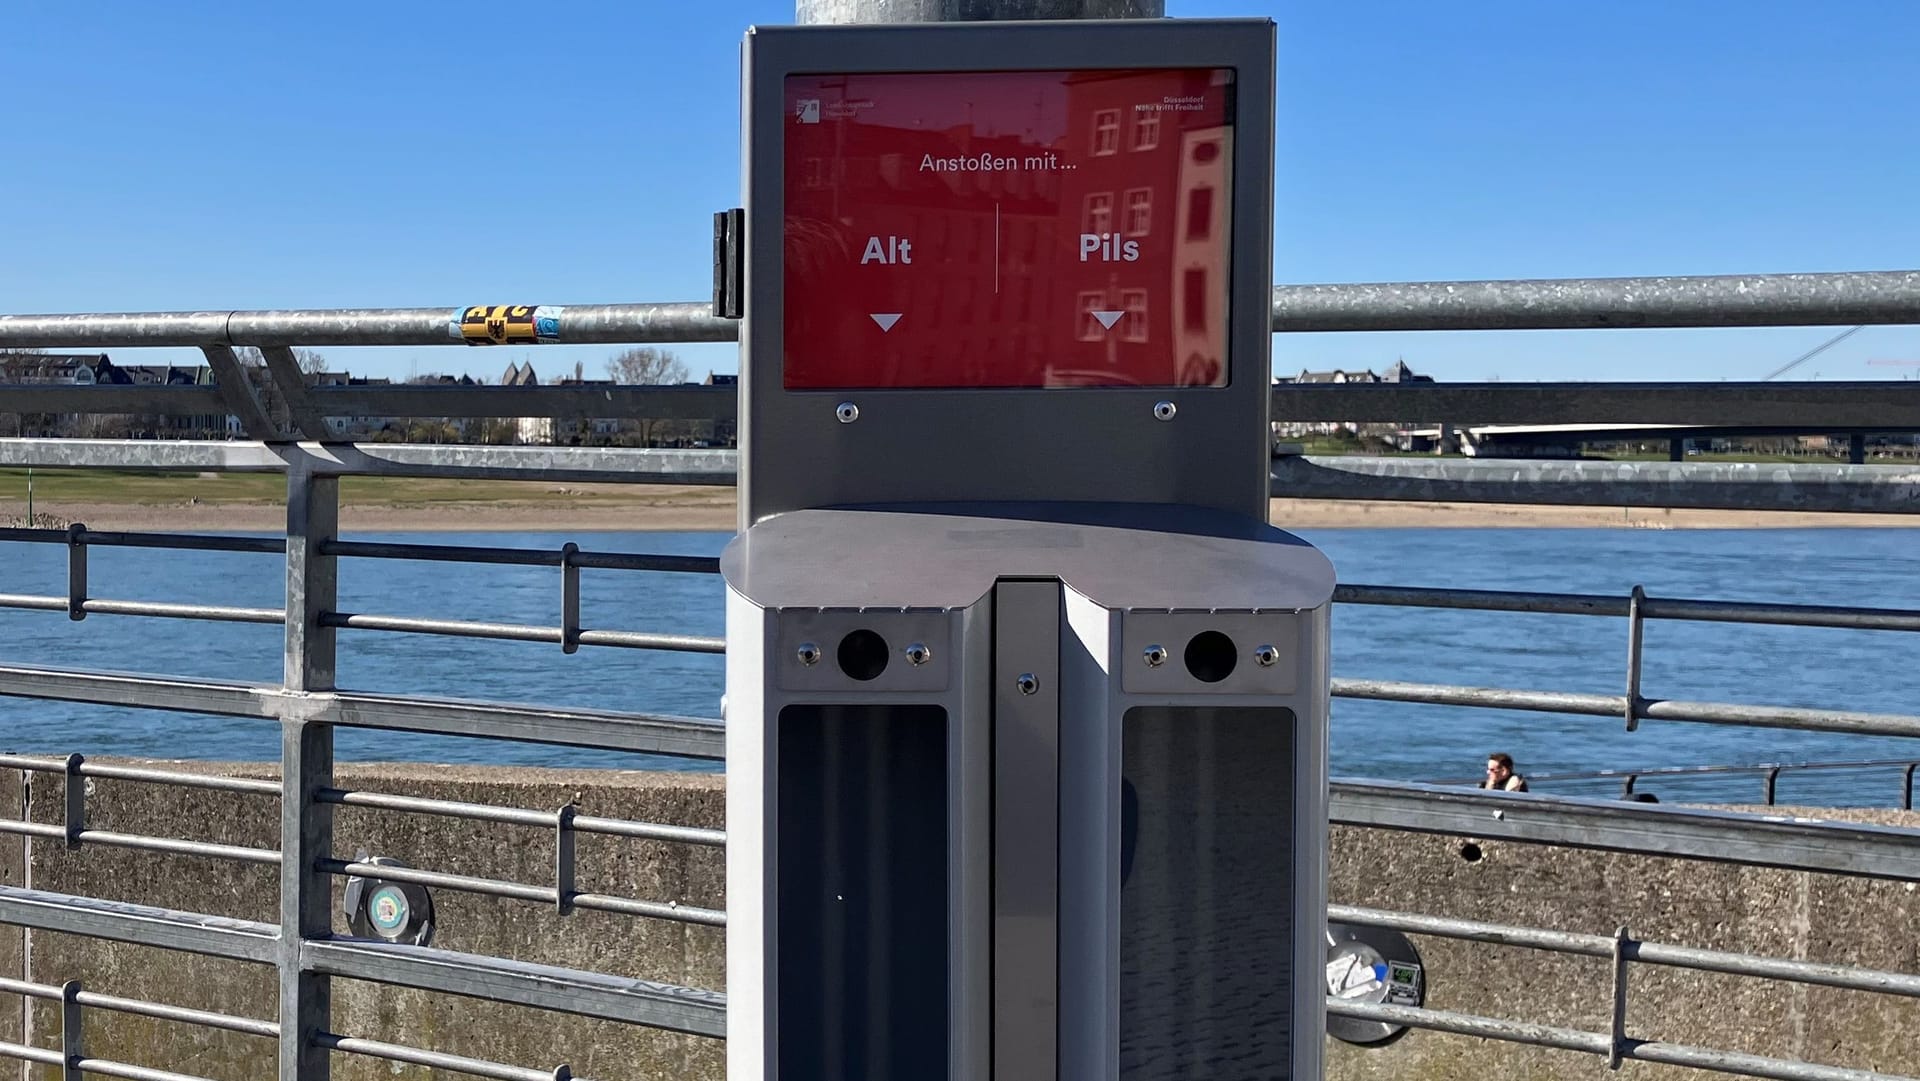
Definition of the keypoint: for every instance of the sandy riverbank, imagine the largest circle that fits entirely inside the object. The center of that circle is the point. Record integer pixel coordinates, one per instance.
(604, 508)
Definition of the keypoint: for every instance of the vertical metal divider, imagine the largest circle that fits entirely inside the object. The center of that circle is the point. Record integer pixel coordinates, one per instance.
(306, 766)
(1026, 830)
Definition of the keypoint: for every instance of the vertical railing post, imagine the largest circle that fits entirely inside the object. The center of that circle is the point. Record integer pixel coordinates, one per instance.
(306, 765)
(1636, 629)
(1769, 784)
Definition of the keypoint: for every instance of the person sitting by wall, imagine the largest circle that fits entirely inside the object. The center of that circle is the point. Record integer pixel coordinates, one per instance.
(1500, 774)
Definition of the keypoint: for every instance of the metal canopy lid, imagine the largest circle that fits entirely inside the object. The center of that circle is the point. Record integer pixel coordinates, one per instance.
(933, 555)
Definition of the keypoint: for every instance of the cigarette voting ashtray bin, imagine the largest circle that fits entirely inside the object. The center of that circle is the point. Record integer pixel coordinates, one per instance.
(386, 910)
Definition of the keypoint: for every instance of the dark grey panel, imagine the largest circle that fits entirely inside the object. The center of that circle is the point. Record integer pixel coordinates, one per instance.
(1026, 830)
(1120, 556)
(862, 912)
(1102, 445)
(1206, 894)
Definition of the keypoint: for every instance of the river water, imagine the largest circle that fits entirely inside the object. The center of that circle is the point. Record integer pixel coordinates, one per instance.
(1818, 668)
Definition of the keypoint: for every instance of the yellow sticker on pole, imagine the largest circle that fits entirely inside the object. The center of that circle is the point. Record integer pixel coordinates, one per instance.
(506, 324)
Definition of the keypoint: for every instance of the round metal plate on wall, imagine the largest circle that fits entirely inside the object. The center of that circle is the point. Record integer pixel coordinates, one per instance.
(389, 911)
(1375, 965)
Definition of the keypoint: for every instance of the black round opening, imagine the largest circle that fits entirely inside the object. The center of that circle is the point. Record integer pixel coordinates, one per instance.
(1470, 852)
(1211, 656)
(863, 655)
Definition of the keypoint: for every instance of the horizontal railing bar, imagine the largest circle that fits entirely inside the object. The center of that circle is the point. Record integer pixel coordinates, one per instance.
(479, 812)
(624, 561)
(688, 737)
(676, 643)
(12, 986)
(1686, 772)
(591, 324)
(140, 1007)
(180, 847)
(1847, 977)
(1732, 300)
(95, 606)
(110, 1068)
(522, 632)
(689, 402)
(161, 1011)
(143, 925)
(1490, 1028)
(32, 1054)
(1704, 1058)
(651, 831)
(33, 603)
(439, 1060)
(1484, 600)
(1612, 825)
(1594, 604)
(212, 613)
(1825, 299)
(519, 816)
(1494, 1028)
(1796, 615)
(457, 628)
(196, 542)
(1610, 412)
(655, 910)
(177, 846)
(630, 465)
(1613, 705)
(521, 891)
(1876, 489)
(246, 785)
(588, 994)
(162, 401)
(528, 557)
(1619, 411)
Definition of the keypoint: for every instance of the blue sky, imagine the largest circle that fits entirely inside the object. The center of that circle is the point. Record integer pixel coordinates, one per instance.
(228, 155)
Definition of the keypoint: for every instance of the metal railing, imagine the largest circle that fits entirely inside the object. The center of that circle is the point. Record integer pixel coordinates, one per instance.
(1689, 777)
(308, 706)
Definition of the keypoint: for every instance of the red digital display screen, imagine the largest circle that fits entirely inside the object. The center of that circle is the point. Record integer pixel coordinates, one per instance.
(1007, 229)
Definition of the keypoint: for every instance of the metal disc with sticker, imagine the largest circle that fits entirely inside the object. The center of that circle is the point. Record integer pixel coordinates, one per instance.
(1372, 965)
(392, 911)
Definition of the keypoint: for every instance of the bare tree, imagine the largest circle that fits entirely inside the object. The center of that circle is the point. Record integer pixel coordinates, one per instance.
(311, 363)
(646, 366)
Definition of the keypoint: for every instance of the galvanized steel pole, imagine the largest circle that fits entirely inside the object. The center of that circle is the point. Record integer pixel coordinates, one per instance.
(938, 11)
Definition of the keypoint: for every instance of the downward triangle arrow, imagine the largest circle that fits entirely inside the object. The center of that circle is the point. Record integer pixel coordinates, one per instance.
(885, 319)
(1107, 319)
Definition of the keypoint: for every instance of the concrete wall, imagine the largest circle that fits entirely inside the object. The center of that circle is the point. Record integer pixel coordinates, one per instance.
(1815, 917)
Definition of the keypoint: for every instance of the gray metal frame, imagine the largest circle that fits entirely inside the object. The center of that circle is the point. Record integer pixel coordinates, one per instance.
(1004, 444)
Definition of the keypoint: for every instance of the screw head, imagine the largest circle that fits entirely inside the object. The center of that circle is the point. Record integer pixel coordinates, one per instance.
(918, 654)
(1265, 656)
(1027, 682)
(847, 412)
(808, 653)
(1155, 655)
(1164, 410)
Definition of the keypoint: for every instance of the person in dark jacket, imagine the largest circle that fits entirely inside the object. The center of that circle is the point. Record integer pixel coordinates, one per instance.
(1500, 774)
